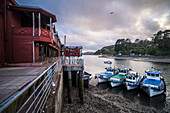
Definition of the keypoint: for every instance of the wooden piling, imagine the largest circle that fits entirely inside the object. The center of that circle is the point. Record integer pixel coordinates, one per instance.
(69, 87)
(81, 87)
(76, 84)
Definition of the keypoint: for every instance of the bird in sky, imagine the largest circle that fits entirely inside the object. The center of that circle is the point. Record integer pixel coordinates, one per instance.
(111, 12)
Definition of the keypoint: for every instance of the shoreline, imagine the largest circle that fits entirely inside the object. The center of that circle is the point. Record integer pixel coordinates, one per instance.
(156, 59)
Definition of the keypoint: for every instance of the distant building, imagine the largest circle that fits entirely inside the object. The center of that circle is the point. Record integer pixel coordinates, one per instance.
(73, 51)
(27, 33)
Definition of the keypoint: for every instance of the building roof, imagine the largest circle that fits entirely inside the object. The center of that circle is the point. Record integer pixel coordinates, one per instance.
(73, 47)
(33, 9)
(14, 2)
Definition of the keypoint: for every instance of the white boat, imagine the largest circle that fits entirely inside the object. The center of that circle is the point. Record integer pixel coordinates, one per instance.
(119, 78)
(133, 80)
(154, 83)
(103, 77)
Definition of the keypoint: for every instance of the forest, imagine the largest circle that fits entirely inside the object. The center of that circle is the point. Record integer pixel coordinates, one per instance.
(159, 45)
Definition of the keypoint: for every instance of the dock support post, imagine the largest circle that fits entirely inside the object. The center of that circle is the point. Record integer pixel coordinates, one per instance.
(81, 87)
(76, 84)
(69, 87)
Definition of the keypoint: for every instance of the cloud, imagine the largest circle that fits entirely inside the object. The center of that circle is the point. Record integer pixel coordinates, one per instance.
(90, 24)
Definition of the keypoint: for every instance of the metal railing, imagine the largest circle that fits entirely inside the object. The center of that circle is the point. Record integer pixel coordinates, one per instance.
(74, 60)
(33, 97)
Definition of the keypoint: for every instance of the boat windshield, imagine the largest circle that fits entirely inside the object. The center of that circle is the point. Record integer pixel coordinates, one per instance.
(157, 75)
(130, 77)
(121, 70)
(152, 75)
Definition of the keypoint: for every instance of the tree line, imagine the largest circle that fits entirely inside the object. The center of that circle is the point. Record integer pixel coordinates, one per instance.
(158, 46)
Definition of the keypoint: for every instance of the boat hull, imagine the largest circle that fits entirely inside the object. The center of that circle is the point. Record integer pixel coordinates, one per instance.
(152, 92)
(114, 84)
(131, 87)
(100, 80)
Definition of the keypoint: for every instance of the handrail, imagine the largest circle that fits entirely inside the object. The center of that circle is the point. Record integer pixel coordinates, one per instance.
(49, 74)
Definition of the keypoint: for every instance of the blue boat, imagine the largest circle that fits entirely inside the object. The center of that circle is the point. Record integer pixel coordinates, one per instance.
(103, 77)
(154, 83)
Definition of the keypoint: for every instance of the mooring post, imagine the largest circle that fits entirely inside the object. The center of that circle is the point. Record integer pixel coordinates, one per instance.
(81, 87)
(76, 84)
(69, 87)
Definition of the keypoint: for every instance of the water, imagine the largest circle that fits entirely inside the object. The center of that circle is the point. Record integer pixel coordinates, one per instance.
(95, 65)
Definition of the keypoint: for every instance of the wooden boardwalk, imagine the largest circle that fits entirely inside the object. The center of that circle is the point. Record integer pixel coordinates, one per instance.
(13, 79)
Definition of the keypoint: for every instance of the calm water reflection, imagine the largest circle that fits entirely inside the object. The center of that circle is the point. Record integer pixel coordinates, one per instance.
(95, 65)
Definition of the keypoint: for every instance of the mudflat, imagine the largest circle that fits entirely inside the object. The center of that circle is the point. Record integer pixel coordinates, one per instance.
(98, 100)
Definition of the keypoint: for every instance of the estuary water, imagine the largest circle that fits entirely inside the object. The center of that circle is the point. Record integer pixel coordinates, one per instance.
(95, 65)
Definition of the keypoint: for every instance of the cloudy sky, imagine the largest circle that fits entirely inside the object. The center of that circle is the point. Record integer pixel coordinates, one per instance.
(90, 24)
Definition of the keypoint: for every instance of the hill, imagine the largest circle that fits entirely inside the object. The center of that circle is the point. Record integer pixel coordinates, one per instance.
(106, 50)
(88, 53)
(158, 46)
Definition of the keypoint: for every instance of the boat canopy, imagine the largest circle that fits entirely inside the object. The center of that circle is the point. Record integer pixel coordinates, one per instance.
(131, 75)
(111, 69)
(154, 72)
(123, 70)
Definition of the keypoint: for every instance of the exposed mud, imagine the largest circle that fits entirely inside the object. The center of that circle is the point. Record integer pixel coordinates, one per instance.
(98, 100)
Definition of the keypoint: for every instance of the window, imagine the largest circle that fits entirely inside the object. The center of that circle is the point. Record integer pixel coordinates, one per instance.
(121, 70)
(157, 75)
(152, 75)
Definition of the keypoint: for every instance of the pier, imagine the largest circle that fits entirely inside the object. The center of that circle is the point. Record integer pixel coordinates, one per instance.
(40, 88)
(74, 72)
(29, 89)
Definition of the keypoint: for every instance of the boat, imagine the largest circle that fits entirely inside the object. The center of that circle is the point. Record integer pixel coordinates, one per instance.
(153, 83)
(125, 71)
(86, 78)
(133, 80)
(119, 78)
(113, 69)
(103, 77)
(108, 62)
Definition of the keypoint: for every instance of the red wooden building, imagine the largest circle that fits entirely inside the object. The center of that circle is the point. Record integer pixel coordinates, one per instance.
(27, 33)
(73, 51)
